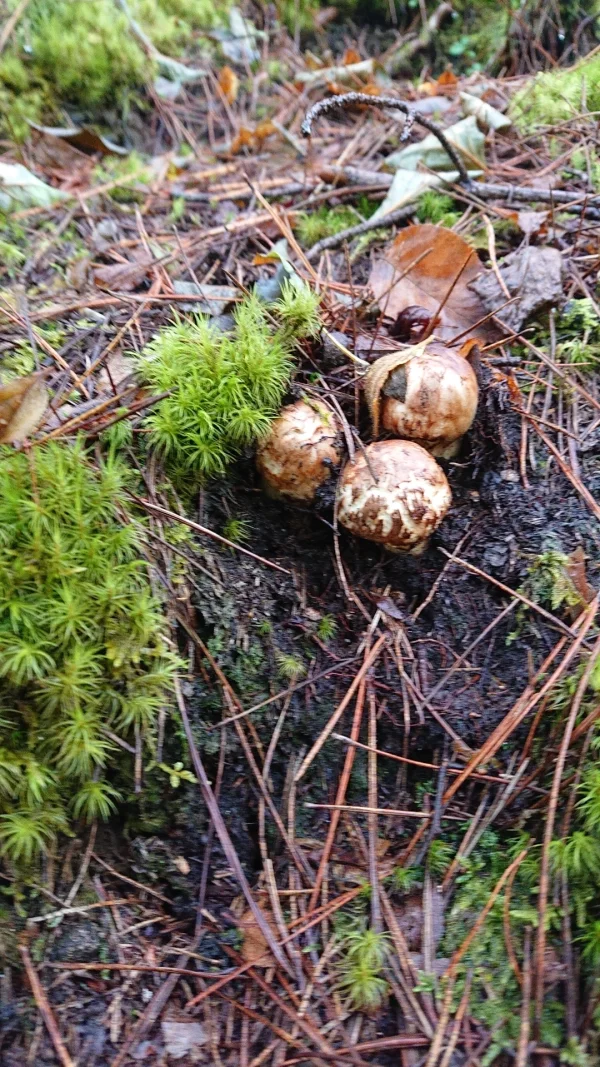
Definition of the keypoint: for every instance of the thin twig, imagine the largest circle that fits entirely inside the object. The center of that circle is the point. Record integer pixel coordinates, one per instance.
(155, 508)
(44, 1008)
(143, 968)
(483, 914)
(381, 222)
(223, 834)
(522, 1058)
(340, 795)
(283, 693)
(372, 819)
(333, 721)
(511, 592)
(527, 701)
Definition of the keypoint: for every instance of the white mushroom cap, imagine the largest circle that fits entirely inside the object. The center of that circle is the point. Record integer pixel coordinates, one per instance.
(297, 456)
(434, 399)
(394, 493)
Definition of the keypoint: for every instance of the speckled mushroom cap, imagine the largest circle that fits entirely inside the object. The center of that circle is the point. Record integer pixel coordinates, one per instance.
(395, 493)
(297, 456)
(435, 400)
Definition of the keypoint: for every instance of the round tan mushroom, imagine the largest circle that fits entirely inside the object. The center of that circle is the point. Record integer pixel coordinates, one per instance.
(394, 493)
(432, 400)
(298, 455)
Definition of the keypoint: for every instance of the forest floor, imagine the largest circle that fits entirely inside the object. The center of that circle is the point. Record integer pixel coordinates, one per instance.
(394, 743)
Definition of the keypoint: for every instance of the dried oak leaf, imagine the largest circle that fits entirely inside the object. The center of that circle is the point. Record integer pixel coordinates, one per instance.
(183, 1038)
(533, 223)
(254, 139)
(80, 137)
(430, 266)
(23, 403)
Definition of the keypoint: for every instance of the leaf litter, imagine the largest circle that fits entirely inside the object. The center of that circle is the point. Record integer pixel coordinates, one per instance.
(433, 268)
(449, 675)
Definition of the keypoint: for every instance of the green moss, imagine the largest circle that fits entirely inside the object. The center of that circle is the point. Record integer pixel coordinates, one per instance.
(474, 35)
(86, 51)
(557, 96)
(237, 530)
(437, 208)
(324, 222)
(23, 96)
(578, 334)
(363, 954)
(82, 642)
(83, 53)
(549, 582)
(326, 628)
(487, 957)
(224, 389)
(289, 666)
(297, 14)
(130, 174)
(21, 359)
(170, 23)
(11, 257)
(13, 73)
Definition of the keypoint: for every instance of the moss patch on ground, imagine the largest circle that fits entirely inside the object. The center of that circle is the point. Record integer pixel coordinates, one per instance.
(224, 389)
(67, 54)
(84, 657)
(557, 96)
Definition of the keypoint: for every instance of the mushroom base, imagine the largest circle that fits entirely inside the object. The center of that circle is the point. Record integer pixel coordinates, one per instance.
(416, 550)
(443, 451)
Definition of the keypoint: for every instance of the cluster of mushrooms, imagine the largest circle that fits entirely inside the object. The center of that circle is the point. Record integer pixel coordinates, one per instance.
(393, 491)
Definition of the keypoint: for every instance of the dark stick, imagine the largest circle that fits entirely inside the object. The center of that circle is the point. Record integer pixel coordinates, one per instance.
(346, 100)
(391, 217)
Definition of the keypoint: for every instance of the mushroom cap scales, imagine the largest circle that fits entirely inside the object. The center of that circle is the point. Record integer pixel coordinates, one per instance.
(302, 447)
(393, 493)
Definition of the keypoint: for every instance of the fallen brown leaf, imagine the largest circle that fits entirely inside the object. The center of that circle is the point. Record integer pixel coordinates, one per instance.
(447, 80)
(246, 138)
(243, 139)
(229, 84)
(433, 267)
(123, 277)
(576, 571)
(263, 130)
(23, 403)
(255, 945)
(81, 137)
